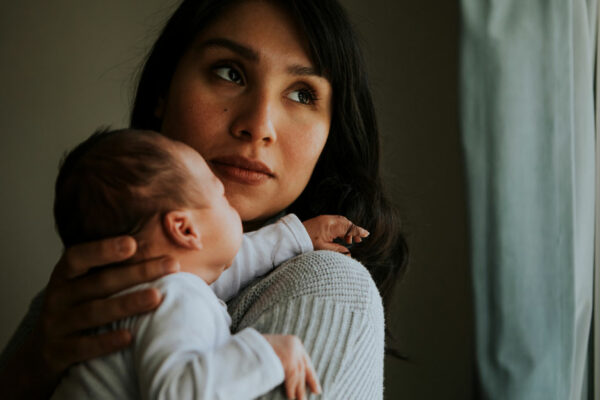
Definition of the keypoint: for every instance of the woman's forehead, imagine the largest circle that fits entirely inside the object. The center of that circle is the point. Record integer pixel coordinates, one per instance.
(259, 28)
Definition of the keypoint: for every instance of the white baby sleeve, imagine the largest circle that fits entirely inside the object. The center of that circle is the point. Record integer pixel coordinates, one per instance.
(184, 348)
(261, 251)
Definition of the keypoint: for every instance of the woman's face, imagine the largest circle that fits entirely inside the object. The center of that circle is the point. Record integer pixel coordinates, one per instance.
(247, 98)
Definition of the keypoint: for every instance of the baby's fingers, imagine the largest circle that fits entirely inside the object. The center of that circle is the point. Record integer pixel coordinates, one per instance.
(355, 233)
(292, 384)
(301, 386)
(311, 377)
(333, 247)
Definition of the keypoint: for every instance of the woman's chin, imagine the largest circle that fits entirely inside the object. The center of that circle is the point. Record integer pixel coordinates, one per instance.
(252, 211)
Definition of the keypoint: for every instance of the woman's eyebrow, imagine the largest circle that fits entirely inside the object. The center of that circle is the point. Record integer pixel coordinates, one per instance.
(302, 70)
(236, 47)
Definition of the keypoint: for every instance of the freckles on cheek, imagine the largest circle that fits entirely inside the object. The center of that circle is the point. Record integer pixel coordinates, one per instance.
(317, 137)
(198, 124)
(304, 152)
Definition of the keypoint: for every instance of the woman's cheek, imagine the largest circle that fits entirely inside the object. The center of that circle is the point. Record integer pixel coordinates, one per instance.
(311, 141)
(198, 125)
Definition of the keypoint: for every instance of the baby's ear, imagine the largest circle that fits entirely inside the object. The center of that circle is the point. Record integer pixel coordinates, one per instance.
(181, 228)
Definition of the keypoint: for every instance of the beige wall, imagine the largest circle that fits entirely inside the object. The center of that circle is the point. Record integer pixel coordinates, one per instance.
(67, 68)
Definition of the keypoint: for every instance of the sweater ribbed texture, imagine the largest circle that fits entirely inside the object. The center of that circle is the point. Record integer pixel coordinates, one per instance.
(331, 303)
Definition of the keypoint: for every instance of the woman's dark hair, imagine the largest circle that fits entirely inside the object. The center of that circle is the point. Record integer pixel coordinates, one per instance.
(346, 179)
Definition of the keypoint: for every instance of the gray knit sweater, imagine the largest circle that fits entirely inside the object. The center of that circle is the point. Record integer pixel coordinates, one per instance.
(327, 299)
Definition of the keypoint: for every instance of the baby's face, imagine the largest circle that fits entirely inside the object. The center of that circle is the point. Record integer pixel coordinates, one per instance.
(222, 220)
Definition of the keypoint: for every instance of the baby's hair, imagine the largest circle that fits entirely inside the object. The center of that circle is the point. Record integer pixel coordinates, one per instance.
(114, 182)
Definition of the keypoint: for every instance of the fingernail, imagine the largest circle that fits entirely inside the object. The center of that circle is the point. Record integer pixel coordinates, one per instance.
(122, 339)
(170, 265)
(149, 299)
(124, 246)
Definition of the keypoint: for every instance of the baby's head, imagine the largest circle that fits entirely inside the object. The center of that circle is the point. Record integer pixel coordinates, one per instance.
(143, 184)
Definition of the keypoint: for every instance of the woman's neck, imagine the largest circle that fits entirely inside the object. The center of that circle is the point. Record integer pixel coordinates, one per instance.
(256, 224)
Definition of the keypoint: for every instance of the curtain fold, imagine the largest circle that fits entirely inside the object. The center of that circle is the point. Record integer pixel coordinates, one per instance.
(595, 376)
(528, 133)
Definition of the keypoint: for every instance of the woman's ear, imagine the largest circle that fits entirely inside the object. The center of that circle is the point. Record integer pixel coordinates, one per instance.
(181, 228)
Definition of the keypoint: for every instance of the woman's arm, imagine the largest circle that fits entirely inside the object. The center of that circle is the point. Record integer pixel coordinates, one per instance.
(74, 301)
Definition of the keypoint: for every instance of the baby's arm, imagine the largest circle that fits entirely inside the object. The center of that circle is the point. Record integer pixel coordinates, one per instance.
(261, 251)
(266, 248)
(184, 349)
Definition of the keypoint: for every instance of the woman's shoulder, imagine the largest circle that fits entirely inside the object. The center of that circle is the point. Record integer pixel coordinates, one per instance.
(316, 284)
(322, 274)
(331, 274)
(327, 266)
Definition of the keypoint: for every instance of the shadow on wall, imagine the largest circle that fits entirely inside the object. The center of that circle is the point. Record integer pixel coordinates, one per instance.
(412, 52)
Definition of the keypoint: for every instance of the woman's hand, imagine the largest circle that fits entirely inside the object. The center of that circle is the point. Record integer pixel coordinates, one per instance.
(78, 299)
(324, 229)
(297, 366)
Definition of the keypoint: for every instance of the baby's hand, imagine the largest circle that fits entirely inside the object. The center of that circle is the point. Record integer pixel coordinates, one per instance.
(324, 229)
(297, 367)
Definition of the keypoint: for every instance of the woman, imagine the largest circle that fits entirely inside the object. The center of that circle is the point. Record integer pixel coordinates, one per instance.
(274, 96)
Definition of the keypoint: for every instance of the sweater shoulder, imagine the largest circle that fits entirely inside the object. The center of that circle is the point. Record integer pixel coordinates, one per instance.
(323, 276)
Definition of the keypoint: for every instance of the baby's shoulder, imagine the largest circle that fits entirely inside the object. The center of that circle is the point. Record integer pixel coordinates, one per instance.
(181, 293)
(177, 282)
(185, 289)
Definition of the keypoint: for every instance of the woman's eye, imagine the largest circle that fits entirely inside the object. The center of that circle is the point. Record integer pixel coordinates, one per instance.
(303, 96)
(229, 74)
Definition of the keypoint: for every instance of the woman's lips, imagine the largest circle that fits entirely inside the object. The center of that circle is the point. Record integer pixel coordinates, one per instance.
(242, 170)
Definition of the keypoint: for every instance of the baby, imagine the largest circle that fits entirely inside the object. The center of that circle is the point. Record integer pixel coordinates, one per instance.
(163, 193)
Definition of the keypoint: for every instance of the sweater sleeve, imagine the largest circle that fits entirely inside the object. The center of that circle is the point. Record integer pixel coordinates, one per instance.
(261, 251)
(184, 349)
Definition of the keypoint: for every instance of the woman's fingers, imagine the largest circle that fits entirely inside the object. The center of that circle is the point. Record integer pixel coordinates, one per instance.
(79, 259)
(100, 312)
(79, 298)
(83, 348)
(112, 280)
(106, 282)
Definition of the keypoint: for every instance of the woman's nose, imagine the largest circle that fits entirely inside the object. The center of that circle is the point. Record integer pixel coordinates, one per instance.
(255, 120)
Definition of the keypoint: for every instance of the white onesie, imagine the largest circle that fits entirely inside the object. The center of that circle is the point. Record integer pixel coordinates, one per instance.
(184, 348)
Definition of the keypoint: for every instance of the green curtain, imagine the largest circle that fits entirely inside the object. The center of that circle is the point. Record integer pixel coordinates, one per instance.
(528, 133)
